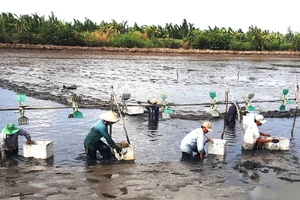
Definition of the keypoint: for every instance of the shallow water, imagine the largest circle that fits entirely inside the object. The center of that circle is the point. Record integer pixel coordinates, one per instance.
(186, 80)
(145, 77)
(150, 145)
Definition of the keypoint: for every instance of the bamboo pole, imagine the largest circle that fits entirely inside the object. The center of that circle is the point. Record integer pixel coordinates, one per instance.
(297, 103)
(99, 106)
(226, 100)
(119, 110)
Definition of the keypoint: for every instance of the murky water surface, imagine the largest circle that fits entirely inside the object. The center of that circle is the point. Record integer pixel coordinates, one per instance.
(185, 80)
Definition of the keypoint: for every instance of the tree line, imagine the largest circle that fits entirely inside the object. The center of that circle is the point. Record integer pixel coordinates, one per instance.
(35, 29)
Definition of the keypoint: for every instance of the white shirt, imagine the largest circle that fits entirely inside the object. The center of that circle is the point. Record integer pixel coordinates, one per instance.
(195, 139)
(251, 135)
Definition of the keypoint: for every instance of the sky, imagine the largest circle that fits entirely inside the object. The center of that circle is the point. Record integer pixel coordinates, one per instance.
(272, 15)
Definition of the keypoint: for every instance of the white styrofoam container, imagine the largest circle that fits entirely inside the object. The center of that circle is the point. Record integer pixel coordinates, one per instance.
(217, 146)
(283, 144)
(127, 151)
(41, 149)
(135, 110)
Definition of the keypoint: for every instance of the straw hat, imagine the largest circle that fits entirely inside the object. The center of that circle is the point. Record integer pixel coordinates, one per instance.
(10, 129)
(109, 116)
(207, 125)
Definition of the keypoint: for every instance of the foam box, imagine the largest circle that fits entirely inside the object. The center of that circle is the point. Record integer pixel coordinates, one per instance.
(218, 147)
(41, 149)
(135, 110)
(283, 144)
(127, 151)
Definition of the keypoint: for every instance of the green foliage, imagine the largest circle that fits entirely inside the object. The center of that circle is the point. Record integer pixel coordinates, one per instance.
(240, 46)
(200, 42)
(130, 40)
(295, 43)
(34, 29)
(168, 43)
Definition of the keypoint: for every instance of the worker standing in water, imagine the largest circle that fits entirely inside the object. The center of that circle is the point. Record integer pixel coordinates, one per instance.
(93, 142)
(153, 113)
(9, 140)
(195, 142)
(254, 138)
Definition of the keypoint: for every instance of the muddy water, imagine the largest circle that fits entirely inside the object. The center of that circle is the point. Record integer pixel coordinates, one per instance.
(186, 80)
(157, 171)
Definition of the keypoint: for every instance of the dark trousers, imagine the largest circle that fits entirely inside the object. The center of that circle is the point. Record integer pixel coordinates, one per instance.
(103, 148)
(6, 154)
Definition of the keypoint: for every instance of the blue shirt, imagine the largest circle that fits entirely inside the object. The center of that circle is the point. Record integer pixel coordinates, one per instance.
(98, 130)
(10, 142)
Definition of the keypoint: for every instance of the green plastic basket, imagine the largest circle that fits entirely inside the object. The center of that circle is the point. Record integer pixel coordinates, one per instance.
(285, 91)
(20, 97)
(251, 108)
(168, 111)
(164, 96)
(212, 94)
(282, 108)
(77, 114)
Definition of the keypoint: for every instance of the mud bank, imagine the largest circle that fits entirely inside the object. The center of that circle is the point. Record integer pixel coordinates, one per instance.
(146, 51)
(89, 102)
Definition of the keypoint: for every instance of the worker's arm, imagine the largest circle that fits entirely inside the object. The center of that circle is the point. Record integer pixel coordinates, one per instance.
(264, 134)
(25, 134)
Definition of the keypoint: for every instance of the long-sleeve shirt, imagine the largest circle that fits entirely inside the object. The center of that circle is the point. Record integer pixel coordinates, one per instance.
(10, 142)
(195, 139)
(153, 112)
(98, 130)
(231, 114)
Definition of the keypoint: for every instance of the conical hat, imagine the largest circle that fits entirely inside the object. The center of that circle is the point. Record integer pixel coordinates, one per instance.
(109, 116)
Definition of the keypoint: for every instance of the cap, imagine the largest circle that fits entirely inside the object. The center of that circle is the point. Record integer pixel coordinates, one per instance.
(207, 125)
(260, 118)
(153, 101)
(109, 116)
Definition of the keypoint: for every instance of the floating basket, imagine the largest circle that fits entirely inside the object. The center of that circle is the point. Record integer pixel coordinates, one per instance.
(127, 151)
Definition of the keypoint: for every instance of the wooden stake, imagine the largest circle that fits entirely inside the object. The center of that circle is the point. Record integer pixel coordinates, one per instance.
(119, 110)
(297, 103)
(225, 115)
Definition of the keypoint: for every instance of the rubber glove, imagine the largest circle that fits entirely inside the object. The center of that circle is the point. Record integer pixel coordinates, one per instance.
(118, 149)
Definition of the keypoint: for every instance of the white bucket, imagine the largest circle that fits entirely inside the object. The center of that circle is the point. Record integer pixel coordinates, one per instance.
(283, 144)
(127, 151)
(217, 146)
(40, 149)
